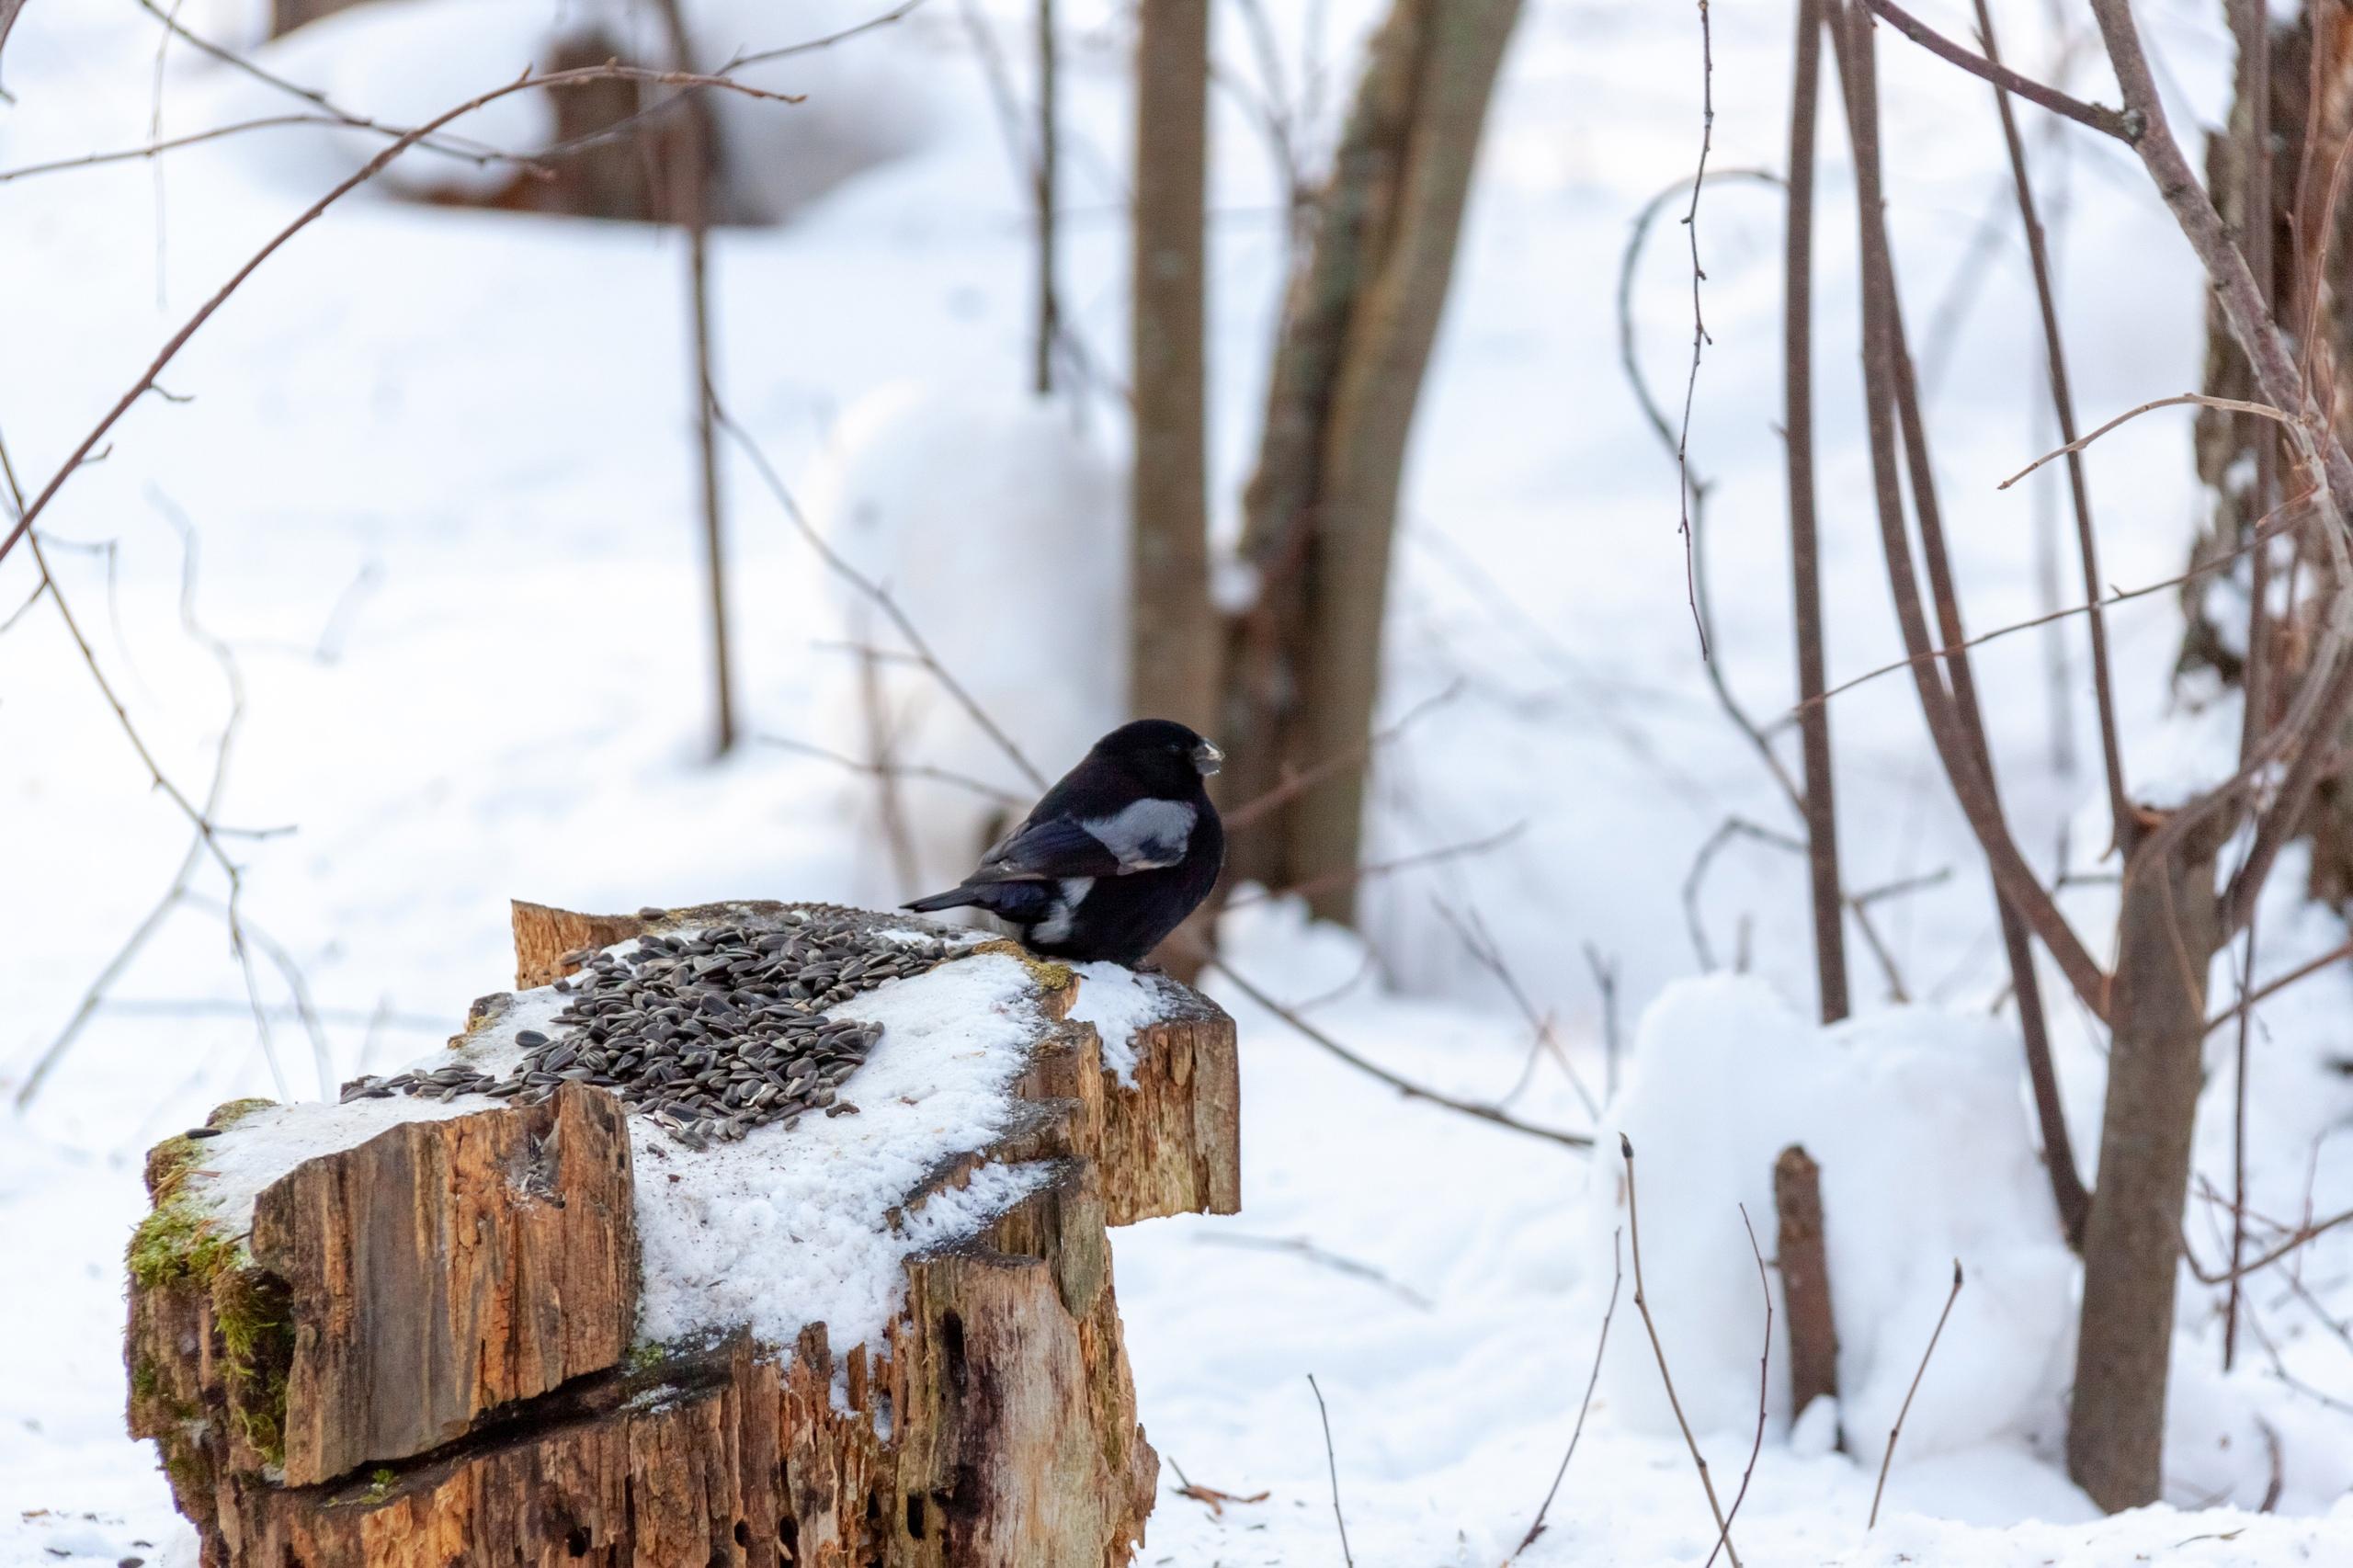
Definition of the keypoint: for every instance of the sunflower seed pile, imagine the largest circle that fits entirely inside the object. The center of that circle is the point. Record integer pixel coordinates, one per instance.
(710, 1033)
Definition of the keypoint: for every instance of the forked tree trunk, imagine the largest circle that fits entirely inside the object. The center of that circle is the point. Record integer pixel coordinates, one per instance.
(2168, 930)
(1173, 641)
(1303, 663)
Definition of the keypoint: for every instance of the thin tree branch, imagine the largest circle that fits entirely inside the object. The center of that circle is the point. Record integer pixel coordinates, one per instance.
(1888, 1458)
(368, 171)
(2338, 954)
(875, 593)
(2063, 404)
(1601, 1343)
(1642, 1303)
(1698, 323)
(1333, 1464)
(2098, 117)
(2203, 399)
(1763, 1385)
(1404, 1086)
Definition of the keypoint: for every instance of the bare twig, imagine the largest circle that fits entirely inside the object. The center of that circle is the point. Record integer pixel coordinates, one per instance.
(1254, 811)
(2120, 124)
(1642, 1303)
(964, 781)
(1600, 1344)
(1333, 1464)
(1897, 1431)
(2203, 399)
(2063, 404)
(1698, 323)
(2335, 955)
(1732, 827)
(1764, 1387)
(451, 147)
(875, 593)
(1374, 868)
(1404, 1086)
(2286, 517)
(692, 179)
(1605, 981)
(1300, 1246)
(368, 171)
(1480, 943)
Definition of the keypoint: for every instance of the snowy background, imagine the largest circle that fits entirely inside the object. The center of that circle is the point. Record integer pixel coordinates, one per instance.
(432, 486)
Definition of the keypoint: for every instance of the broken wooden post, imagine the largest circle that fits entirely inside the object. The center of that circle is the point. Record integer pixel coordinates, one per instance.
(447, 1329)
(1805, 1279)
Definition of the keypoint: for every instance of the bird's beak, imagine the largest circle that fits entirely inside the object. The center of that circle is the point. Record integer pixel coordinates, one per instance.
(1207, 757)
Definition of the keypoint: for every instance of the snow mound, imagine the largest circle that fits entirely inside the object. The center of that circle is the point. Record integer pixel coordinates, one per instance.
(793, 1224)
(1002, 532)
(1916, 1120)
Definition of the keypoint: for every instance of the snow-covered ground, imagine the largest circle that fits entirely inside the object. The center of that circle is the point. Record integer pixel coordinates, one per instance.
(436, 474)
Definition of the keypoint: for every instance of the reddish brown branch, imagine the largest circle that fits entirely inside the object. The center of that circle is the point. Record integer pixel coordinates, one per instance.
(2063, 404)
(2098, 117)
(1818, 801)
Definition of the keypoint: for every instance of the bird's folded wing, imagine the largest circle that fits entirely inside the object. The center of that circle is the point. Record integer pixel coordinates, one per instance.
(1047, 850)
(1144, 835)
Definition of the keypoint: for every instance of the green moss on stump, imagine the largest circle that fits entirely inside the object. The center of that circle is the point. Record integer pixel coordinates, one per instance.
(180, 1241)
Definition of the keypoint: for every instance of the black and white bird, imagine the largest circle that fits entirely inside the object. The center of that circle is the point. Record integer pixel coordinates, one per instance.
(1114, 856)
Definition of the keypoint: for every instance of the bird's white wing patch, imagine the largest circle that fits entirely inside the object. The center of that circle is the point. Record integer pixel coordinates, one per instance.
(1056, 927)
(1145, 835)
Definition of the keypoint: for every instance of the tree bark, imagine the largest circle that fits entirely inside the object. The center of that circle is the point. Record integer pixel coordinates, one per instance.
(1173, 641)
(426, 1354)
(1304, 660)
(2169, 927)
(2306, 108)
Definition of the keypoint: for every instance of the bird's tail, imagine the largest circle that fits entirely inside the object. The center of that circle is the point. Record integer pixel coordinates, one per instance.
(954, 898)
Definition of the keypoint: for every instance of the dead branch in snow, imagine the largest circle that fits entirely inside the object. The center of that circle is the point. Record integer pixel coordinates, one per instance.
(1333, 1464)
(1764, 1391)
(1600, 1344)
(1641, 1304)
(1888, 1458)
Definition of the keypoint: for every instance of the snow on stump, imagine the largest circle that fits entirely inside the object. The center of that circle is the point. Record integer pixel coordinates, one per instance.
(507, 1320)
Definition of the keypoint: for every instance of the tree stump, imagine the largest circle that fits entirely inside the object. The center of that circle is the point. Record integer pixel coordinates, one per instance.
(413, 1331)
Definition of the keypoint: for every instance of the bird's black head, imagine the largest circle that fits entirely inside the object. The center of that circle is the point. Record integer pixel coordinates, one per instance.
(1161, 754)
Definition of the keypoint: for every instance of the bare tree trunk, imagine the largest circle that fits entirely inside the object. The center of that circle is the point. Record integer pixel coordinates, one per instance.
(1319, 513)
(2169, 928)
(1049, 181)
(1806, 551)
(1172, 643)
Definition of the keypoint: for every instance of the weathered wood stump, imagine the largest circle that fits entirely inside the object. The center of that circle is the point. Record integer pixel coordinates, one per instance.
(413, 1331)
